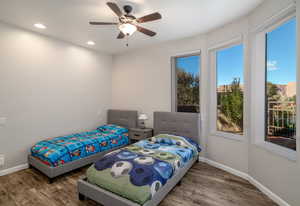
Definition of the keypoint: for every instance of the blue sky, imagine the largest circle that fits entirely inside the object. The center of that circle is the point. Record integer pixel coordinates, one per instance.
(281, 53)
(230, 64)
(281, 58)
(190, 64)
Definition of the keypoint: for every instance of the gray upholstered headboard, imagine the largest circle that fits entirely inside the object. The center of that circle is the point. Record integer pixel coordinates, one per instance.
(124, 118)
(177, 123)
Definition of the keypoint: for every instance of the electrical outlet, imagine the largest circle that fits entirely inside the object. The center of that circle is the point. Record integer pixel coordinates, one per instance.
(2, 157)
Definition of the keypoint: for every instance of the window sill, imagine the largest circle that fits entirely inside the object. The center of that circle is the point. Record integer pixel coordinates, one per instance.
(278, 150)
(228, 136)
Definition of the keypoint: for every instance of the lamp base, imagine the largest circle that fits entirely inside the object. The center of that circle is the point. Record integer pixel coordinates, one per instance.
(142, 125)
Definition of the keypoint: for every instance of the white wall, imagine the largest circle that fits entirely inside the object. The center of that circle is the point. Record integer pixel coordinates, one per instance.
(278, 173)
(50, 88)
(218, 147)
(47, 88)
(142, 80)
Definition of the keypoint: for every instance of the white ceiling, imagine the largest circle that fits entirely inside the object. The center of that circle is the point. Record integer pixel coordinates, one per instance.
(68, 19)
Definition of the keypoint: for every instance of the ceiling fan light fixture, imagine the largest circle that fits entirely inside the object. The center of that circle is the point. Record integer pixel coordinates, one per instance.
(127, 29)
(91, 43)
(40, 26)
(128, 23)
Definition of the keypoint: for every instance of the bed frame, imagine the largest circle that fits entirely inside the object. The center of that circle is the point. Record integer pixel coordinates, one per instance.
(184, 124)
(125, 118)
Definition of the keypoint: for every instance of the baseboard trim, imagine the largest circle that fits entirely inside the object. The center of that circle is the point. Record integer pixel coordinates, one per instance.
(268, 192)
(228, 169)
(13, 169)
(246, 176)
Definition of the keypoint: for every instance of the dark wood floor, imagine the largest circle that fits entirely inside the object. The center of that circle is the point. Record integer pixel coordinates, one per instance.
(203, 185)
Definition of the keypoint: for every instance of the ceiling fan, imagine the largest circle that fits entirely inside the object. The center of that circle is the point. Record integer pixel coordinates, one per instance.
(128, 23)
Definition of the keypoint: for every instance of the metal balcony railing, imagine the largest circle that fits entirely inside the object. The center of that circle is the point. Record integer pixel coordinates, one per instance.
(282, 119)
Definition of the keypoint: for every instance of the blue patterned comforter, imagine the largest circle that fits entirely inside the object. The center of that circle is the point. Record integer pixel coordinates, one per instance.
(60, 150)
(138, 171)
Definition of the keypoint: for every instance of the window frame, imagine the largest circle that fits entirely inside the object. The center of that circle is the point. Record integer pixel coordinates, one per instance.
(174, 77)
(212, 54)
(258, 105)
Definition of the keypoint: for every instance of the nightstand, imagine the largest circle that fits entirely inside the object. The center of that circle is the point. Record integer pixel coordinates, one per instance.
(136, 134)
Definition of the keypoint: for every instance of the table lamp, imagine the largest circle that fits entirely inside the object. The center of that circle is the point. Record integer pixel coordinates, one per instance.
(142, 118)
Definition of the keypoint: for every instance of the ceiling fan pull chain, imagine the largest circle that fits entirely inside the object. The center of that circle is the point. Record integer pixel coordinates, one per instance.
(127, 40)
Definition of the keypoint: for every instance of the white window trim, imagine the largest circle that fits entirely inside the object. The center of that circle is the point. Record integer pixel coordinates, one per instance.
(213, 106)
(174, 77)
(258, 82)
(285, 12)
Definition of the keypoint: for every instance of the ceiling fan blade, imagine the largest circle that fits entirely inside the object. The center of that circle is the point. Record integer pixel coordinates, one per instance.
(115, 8)
(150, 17)
(146, 31)
(102, 23)
(121, 35)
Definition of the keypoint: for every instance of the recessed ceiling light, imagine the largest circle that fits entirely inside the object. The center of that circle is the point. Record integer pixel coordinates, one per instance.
(40, 26)
(91, 43)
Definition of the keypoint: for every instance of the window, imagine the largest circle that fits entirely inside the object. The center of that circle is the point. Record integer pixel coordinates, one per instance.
(280, 84)
(273, 84)
(229, 90)
(186, 83)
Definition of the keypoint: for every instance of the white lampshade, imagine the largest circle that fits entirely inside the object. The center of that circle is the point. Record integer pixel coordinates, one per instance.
(127, 29)
(143, 117)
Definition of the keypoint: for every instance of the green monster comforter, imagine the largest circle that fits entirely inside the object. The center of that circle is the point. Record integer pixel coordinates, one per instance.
(138, 171)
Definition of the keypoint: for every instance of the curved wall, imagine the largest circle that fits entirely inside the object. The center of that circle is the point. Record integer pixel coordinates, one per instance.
(141, 80)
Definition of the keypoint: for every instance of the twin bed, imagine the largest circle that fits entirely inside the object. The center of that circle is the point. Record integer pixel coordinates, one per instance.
(57, 156)
(144, 173)
(124, 175)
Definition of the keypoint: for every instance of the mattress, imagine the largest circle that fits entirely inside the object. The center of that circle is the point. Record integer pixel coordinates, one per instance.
(61, 150)
(138, 171)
